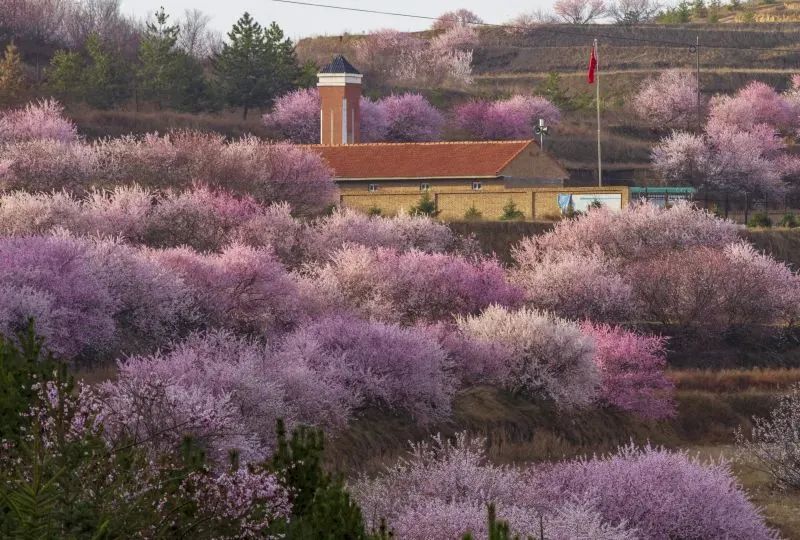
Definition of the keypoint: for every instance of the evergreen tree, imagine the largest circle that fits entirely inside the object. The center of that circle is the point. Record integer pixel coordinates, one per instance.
(66, 74)
(108, 77)
(321, 507)
(425, 207)
(511, 212)
(158, 59)
(169, 76)
(22, 363)
(256, 65)
(552, 90)
(12, 76)
(100, 76)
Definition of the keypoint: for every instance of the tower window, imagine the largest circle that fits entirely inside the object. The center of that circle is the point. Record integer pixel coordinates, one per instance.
(424, 186)
(373, 188)
(477, 185)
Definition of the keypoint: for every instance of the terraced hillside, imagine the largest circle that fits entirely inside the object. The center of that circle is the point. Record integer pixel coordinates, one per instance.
(511, 61)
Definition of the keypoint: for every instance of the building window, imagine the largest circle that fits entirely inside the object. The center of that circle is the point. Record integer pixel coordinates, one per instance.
(424, 186)
(477, 185)
(373, 188)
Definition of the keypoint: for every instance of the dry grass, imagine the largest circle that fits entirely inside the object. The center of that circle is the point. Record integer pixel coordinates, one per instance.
(780, 508)
(734, 380)
(93, 123)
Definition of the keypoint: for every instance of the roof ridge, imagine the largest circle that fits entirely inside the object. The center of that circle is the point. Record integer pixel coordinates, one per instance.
(423, 143)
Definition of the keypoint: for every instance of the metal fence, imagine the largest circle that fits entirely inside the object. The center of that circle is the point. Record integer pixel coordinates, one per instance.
(739, 207)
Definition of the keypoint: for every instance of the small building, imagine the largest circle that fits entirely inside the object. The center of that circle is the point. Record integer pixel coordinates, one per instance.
(458, 176)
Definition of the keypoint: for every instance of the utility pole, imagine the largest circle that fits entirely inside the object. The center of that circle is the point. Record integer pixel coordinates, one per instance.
(541, 130)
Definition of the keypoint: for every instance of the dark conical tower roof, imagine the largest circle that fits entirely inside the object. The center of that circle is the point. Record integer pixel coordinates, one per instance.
(340, 65)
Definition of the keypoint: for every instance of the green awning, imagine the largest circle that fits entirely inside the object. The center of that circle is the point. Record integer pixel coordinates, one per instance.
(663, 191)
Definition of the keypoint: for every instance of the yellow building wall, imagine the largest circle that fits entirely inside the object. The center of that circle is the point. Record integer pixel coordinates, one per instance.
(455, 197)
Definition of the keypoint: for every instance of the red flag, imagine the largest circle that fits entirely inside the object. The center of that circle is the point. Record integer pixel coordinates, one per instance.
(592, 66)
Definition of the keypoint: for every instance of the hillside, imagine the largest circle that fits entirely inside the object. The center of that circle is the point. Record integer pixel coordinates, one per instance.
(508, 62)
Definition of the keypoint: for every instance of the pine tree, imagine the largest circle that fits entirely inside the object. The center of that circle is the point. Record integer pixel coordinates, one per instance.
(158, 59)
(99, 77)
(552, 90)
(12, 76)
(256, 65)
(425, 207)
(321, 507)
(66, 75)
(107, 77)
(511, 212)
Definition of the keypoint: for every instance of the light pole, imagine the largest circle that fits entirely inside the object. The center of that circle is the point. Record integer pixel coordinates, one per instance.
(541, 130)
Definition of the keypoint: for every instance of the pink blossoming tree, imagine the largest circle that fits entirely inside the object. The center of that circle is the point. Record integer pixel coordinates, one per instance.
(670, 101)
(42, 120)
(513, 118)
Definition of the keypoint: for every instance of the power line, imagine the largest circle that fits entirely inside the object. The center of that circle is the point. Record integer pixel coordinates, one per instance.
(544, 28)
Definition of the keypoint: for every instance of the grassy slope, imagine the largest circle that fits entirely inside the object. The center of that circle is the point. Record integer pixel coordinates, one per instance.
(507, 63)
(711, 405)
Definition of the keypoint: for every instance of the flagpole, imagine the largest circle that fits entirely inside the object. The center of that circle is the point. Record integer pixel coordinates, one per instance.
(597, 99)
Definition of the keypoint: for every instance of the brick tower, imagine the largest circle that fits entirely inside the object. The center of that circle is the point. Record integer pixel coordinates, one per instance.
(340, 92)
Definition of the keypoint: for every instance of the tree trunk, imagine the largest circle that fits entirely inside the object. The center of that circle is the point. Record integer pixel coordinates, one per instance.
(244, 112)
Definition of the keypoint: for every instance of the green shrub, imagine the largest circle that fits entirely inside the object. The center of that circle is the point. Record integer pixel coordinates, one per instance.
(321, 507)
(759, 219)
(789, 220)
(425, 207)
(511, 212)
(473, 214)
(374, 211)
(21, 365)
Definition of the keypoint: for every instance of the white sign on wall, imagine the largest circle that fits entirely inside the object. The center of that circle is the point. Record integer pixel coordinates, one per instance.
(581, 202)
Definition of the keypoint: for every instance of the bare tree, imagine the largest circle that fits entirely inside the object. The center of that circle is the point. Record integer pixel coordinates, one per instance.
(580, 11)
(196, 38)
(99, 17)
(631, 12)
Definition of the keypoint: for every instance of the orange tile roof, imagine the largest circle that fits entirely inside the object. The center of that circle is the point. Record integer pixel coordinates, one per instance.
(421, 160)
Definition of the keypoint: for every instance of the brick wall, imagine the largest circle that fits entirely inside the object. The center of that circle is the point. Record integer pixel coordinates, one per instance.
(455, 197)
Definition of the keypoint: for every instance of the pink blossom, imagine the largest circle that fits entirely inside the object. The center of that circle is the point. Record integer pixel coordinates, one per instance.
(410, 117)
(573, 284)
(23, 213)
(402, 233)
(632, 371)
(226, 392)
(513, 118)
(123, 211)
(374, 122)
(57, 280)
(295, 116)
(459, 17)
(543, 355)
(242, 288)
(715, 291)
(457, 37)
(386, 365)
(639, 230)
(756, 103)
(233, 496)
(412, 286)
(663, 494)
(43, 120)
(442, 489)
(47, 165)
(670, 101)
(200, 218)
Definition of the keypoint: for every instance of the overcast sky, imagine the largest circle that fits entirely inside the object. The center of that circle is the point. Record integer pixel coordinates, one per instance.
(301, 21)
